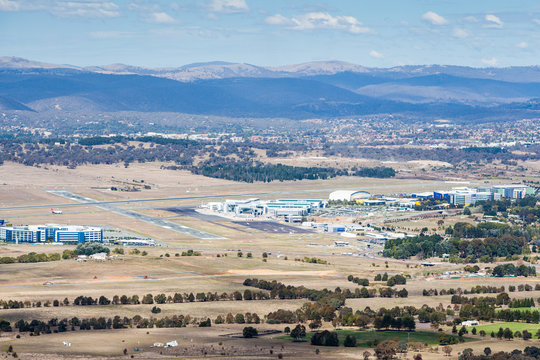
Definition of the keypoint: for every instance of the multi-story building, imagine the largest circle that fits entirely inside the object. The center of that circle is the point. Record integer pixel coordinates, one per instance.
(514, 191)
(274, 208)
(464, 196)
(51, 233)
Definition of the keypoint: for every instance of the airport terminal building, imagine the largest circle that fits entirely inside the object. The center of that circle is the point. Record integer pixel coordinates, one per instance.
(71, 234)
(285, 208)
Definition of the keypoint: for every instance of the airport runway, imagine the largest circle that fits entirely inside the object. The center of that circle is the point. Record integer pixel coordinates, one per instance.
(138, 216)
(220, 196)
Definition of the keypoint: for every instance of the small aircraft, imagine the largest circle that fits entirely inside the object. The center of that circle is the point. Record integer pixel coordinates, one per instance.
(56, 211)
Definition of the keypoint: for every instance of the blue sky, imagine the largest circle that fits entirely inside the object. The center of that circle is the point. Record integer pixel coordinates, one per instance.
(380, 33)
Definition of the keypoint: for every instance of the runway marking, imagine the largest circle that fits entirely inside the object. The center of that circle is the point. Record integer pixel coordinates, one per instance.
(213, 196)
(138, 216)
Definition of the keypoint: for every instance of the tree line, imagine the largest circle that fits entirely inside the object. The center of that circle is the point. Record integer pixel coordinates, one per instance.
(282, 291)
(224, 161)
(512, 270)
(31, 257)
(451, 155)
(255, 171)
(136, 300)
(473, 250)
(358, 281)
(478, 289)
(391, 280)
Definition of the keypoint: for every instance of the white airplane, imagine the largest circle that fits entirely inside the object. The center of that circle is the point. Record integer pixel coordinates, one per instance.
(56, 211)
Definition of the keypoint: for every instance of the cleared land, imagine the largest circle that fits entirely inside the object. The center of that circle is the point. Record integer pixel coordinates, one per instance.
(24, 199)
(366, 338)
(514, 326)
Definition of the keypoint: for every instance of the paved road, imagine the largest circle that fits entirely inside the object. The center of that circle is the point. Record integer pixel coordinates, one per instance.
(138, 216)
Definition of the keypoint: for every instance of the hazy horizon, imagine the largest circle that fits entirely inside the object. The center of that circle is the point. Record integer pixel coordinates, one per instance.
(223, 62)
(158, 33)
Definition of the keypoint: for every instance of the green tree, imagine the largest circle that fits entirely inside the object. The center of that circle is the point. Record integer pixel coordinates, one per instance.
(160, 299)
(507, 334)
(148, 299)
(299, 332)
(350, 341)
(250, 332)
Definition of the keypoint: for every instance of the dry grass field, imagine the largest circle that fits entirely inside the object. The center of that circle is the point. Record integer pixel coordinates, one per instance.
(24, 200)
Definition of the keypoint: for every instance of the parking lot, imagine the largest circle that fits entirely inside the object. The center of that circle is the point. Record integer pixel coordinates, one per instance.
(274, 227)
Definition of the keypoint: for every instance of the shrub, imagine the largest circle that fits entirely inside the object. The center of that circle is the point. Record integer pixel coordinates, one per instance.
(325, 338)
(250, 332)
(350, 341)
(205, 323)
(91, 249)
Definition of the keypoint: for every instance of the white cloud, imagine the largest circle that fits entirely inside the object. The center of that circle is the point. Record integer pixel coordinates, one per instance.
(494, 21)
(110, 34)
(320, 20)
(522, 45)
(62, 8)
(434, 18)
(375, 54)
(537, 21)
(471, 19)
(8, 5)
(277, 19)
(161, 18)
(490, 62)
(85, 8)
(460, 33)
(229, 6)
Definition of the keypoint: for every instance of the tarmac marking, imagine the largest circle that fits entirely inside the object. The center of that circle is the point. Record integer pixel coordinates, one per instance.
(138, 216)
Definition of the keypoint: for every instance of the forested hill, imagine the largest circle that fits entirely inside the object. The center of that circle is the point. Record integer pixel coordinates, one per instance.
(317, 90)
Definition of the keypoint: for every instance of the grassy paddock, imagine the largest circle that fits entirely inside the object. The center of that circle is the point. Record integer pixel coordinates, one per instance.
(363, 337)
(514, 326)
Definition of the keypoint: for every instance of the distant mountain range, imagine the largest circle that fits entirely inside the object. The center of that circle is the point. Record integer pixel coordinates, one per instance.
(315, 89)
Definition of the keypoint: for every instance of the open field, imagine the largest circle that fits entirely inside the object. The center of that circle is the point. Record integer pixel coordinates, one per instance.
(25, 199)
(190, 343)
(201, 310)
(514, 326)
(363, 337)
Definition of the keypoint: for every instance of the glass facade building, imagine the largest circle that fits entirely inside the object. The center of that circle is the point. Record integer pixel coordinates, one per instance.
(72, 234)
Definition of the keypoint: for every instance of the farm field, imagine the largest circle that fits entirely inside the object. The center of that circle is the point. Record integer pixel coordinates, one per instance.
(514, 326)
(366, 338)
(272, 251)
